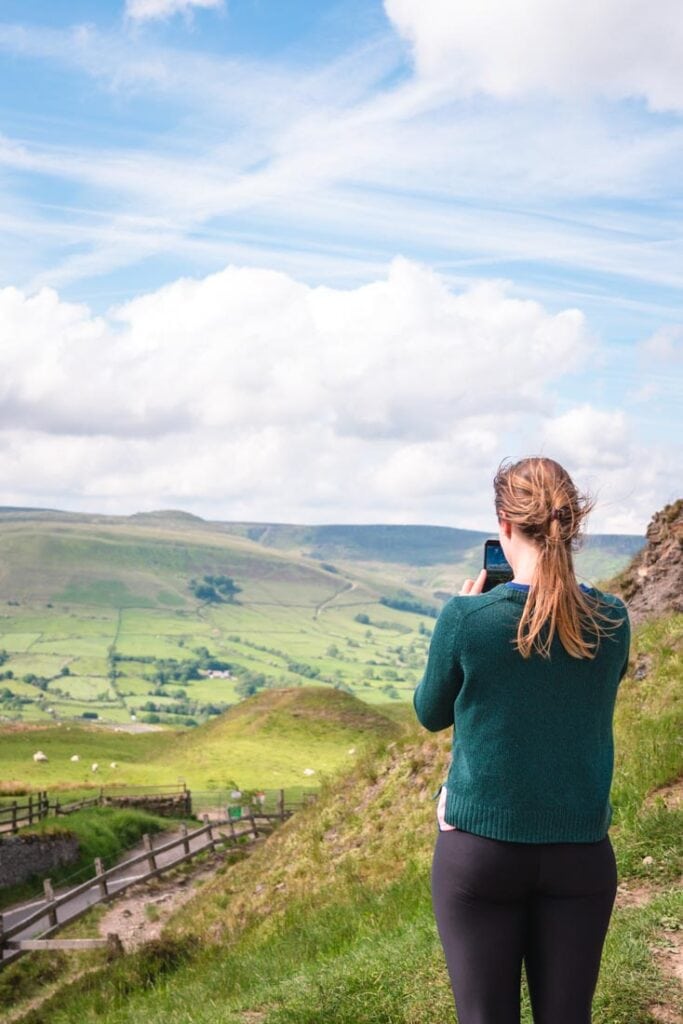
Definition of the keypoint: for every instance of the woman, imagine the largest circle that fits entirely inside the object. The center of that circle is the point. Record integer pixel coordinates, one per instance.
(523, 866)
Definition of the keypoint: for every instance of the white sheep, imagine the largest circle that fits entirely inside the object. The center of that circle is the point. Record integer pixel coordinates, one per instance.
(94, 767)
(75, 757)
(309, 771)
(39, 756)
(113, 764)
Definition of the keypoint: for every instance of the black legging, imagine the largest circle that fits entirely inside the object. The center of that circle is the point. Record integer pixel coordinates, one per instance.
(499, 903)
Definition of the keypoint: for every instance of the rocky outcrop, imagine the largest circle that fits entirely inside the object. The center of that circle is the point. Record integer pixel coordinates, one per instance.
(653, 583)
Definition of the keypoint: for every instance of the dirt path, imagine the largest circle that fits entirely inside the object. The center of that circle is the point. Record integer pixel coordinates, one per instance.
(348, 586)
(140, 913)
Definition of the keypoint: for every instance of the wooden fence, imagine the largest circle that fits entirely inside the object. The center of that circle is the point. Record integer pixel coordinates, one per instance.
(15, 815)
(39, 806)
(104, 880)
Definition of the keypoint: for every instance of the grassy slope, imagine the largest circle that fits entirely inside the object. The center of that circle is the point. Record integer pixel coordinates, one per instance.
(266, 741)
(331, 919)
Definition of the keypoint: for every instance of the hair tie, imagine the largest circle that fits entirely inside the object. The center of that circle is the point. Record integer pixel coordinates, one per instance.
(555, 514)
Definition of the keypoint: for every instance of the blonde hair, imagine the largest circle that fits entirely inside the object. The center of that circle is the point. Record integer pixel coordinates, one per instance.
(539, 497)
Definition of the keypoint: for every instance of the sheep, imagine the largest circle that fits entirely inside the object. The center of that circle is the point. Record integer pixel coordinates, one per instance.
(309, 771)
(113, 764)
(75, 757)
(94, 767)
(39, 756)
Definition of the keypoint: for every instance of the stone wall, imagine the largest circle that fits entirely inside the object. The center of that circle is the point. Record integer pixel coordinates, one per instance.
(27, 855)
(174, 805)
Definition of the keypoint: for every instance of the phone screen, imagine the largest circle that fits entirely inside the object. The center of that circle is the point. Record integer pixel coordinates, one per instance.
(494, 557)
(498, 569)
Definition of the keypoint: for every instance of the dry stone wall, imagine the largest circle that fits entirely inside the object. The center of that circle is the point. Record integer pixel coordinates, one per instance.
(27, 855)
(173, 805)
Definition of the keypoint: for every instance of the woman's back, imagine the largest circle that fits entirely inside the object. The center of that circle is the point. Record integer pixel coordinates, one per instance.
(533, 752)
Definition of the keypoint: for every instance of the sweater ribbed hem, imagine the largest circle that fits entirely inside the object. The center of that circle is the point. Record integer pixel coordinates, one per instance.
(526, 826)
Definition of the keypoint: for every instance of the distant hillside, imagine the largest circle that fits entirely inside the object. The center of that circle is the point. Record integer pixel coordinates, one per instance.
(411, 545)
(116, 618)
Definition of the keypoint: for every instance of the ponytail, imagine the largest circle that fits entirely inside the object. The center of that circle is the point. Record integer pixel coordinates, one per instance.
(539, 497)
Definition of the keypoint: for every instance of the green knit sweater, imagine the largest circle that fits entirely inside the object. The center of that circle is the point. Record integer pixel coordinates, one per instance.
(533, 750)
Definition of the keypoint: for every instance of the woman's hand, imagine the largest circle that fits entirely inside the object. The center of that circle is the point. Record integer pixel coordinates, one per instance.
(474, 586)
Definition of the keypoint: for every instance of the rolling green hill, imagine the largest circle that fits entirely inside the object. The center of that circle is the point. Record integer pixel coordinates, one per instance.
(269, 740)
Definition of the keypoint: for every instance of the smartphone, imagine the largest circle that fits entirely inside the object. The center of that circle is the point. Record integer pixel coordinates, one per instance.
(498, 569)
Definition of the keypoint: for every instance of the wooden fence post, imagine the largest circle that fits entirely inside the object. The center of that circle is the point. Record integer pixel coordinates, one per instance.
(56, 807)
(30, 808)
(253, 822)
(114, 945)
(14, 816)
(281, 802)
(99, 871)
(147, 844)
(212, 841)
(50, 900)
(186, 841)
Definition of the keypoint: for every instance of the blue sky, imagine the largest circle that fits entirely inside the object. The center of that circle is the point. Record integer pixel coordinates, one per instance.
(507, 175)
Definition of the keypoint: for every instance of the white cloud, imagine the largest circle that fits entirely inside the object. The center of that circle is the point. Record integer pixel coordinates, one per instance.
(512, 48)
(590, 437)
(146, 10)
(250, 394)
(629, 478)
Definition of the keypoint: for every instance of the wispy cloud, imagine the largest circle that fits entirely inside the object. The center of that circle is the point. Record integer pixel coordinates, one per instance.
(352, 152)
(148, 10)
